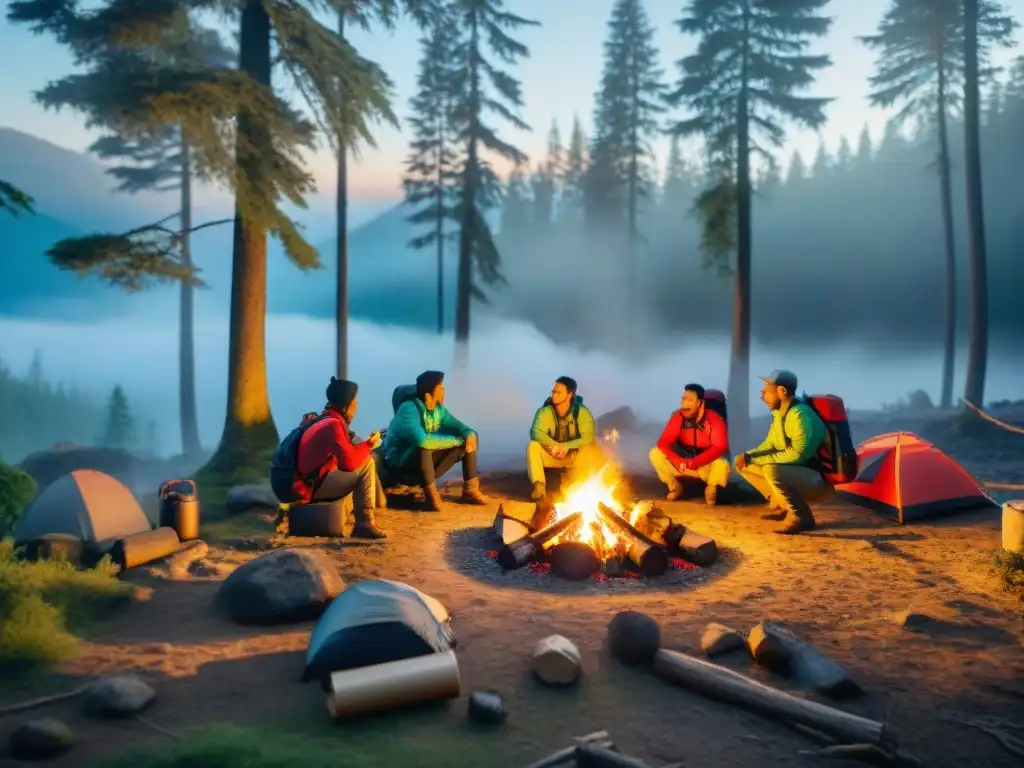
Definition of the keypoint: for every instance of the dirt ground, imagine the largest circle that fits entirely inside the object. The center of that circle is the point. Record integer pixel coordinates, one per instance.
(846, 587)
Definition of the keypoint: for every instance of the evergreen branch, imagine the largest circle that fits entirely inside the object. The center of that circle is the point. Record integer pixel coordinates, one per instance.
(14, 201)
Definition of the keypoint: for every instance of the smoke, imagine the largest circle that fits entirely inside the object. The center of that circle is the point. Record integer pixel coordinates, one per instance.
(511, 370)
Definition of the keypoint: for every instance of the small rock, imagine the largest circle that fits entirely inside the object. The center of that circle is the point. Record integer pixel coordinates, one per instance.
(718, 638)
(779, 650)
(249, 498)
(487, 708)
(40, 740)
(556, 660)
(122, 696)
(633, 637)
(281, 587)
(181, 561)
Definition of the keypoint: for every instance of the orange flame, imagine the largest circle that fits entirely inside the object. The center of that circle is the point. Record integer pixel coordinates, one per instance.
(584, 496)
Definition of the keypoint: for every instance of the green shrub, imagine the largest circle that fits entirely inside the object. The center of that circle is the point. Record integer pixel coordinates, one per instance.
(16, 490)
(233, 747)
(1009, 566)
(45, 604)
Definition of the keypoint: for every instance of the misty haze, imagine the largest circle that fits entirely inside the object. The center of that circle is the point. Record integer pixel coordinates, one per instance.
(638, 382)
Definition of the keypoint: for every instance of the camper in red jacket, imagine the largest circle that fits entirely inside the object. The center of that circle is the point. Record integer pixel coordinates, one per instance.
(693, 445)
(329, 461)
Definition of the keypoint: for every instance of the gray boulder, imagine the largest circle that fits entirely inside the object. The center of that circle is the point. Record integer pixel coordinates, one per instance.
(122, 696)
(718, 638)
(281, 587)
(40, 740)
(633, 637)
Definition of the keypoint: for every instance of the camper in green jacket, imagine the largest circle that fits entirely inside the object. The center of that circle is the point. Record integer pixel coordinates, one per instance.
(563, 436)
(784, 467)
(424, 441)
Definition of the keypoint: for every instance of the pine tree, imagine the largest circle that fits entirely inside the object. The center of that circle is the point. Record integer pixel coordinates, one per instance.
(821, 164)
(119, 429)
(260, 157)
(676, 186)
(430, 170)
(844, 155)
(750, 65)
(482, 89)
(13, 200)
(516, 209)
(919, 66)
(547, 182)
(571, 202)
(626, 119)
(865, 147)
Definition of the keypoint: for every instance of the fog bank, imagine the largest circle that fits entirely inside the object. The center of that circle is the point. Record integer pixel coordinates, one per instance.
(511, 369)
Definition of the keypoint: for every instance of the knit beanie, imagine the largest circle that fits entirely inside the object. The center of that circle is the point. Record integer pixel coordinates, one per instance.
(341, 393)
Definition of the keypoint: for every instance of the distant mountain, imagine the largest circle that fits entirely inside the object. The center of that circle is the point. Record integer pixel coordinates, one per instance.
(29, 283)
(388, 281)
(73, 187)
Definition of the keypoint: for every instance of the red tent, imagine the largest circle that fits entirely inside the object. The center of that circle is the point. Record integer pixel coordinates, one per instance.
(907, 478)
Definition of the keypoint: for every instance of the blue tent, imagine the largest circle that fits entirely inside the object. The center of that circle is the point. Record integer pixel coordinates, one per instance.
(374, 622)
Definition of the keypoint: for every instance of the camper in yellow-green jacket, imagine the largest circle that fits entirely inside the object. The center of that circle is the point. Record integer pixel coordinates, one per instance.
(563, 436)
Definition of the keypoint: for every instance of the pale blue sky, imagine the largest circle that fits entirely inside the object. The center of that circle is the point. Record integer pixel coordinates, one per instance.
(559, 80)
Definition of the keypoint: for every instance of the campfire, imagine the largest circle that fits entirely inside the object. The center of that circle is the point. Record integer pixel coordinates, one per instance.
(597, 528)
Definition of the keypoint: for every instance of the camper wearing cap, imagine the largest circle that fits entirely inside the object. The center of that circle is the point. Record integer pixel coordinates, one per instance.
(562, 436)
(424, 440)
(783, 467)
(693, 445)
(330, 452)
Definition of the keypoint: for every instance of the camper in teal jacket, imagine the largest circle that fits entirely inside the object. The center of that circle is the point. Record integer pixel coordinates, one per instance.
(424, 441)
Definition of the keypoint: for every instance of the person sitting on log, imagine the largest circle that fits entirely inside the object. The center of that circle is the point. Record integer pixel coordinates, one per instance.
(321, 461)
(424, 441)
(562, 436)
(693, 445)
(784, 468)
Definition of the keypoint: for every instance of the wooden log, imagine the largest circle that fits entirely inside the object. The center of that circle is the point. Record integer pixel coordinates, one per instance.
(573, 560)
(692, 546)
(528, 548)
(725, 685)
(544, 514)
(593, 756)
(650, 559)
(507, 528)
(556, 660)
(775, 648)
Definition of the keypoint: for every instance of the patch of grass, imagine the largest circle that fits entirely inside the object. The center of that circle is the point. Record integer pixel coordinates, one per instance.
(1009, 567)
(45, 604)
(233, 747)
(16, 489)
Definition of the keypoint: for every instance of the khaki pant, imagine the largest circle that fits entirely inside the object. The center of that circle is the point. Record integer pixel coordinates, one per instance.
(715, 473)
(363, 487)
(588, 459)
(791, 486)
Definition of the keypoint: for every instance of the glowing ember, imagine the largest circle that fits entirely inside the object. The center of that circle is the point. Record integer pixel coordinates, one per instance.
(584, 497)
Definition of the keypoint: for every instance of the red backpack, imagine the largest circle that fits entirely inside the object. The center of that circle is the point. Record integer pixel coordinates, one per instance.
(837, 453)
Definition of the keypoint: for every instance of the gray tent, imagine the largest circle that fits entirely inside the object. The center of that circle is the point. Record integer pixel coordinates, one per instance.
(88, 504)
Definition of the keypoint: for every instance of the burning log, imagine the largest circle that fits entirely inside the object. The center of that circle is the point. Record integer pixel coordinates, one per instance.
(725, 685)
(508, 528)
(697, 548)
(543, 515)
(574, 560)
(528, 548)
(650, 559)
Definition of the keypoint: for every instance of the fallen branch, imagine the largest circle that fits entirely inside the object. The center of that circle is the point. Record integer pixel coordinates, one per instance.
(992, 419)
(997, 729)
(725, 685)
(593, 756)
(562, 756)
(42, 701)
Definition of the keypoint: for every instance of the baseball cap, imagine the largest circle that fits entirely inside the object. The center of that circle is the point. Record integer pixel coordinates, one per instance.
(781, 378)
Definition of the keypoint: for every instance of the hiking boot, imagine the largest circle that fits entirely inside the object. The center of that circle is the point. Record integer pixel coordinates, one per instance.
(539, 492)
(711, 495)
(433, 498)
(471, 493)
(674, 494)
(367, 529)
(793, 525)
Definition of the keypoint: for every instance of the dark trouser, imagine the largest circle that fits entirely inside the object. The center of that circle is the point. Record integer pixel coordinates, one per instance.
(431, 465)
(363, 484)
